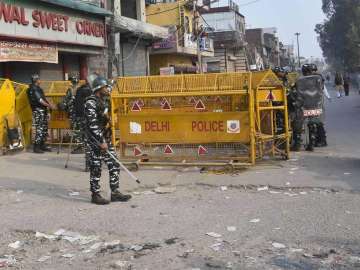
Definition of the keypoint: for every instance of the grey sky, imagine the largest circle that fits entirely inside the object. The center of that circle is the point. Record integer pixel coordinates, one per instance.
(288, 16)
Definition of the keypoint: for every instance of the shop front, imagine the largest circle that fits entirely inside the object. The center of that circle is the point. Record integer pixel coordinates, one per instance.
(51, 40)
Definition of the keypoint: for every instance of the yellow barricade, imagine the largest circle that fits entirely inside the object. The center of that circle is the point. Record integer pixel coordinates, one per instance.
(238, 117)
(185, 117)
(7, 107)
(272, 125)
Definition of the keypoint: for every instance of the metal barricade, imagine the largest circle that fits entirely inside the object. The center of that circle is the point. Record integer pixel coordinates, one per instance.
(185, 118)
(272, 125)
(7, 107)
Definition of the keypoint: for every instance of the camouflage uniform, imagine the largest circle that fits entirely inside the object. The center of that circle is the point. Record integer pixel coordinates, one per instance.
(296, 115)
(39, 113)
(97, 132)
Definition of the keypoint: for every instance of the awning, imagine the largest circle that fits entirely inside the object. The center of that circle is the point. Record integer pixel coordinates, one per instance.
(139, 28)
(80, 6)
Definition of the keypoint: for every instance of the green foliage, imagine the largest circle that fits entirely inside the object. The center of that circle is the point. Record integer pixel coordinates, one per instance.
(339, 35)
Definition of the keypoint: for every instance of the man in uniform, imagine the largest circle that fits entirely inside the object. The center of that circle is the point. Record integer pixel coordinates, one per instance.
(39, 106)
(296, 115)
(67, 105)
(312, 91)
(82, 93)
(98, 139)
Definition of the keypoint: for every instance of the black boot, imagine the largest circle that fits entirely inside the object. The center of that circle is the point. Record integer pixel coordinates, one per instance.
(117, 196)
(37, 149)
(309, 148)
(45, 148)
(97, 199)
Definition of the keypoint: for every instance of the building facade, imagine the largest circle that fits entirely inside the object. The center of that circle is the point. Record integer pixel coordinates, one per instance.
(228, 33)
(52, 38)
(263, 47)
(179, 51)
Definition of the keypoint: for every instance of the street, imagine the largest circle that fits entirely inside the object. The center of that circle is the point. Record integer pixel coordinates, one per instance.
(303, 213)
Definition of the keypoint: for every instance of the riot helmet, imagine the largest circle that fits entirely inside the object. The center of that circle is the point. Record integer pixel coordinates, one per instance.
(98, 83)
(74, 80)
(277, 70)
(35, 78)
(308, 69)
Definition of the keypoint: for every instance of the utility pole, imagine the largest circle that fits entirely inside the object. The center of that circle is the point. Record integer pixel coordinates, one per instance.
(198, 35)
(298, 47)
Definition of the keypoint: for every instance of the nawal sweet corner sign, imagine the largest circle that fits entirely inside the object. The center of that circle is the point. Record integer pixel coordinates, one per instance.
(36, 22)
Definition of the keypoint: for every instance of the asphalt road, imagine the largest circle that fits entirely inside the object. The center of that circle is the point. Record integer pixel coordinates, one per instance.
(298, 214)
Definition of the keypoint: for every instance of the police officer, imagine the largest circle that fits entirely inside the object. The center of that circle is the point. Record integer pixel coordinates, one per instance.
(82, 93)
(319, 137)
(98, 138)
(296, 115)
(39, 106)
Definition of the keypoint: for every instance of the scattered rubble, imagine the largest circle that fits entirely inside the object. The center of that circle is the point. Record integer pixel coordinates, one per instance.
(171, 241)
(213, 234)
(263, 188)
(231, 228)
(278, 245)
(123, 265)
(164, 190)
(223, 188)
(44, 258)
(255, 220)
(15, 245)
(7, 261)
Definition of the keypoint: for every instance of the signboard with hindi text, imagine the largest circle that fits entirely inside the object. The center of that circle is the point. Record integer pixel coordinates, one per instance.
(28, 52)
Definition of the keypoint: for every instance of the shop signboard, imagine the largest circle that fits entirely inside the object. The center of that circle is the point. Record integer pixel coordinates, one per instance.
(31, 21)
(28, 52)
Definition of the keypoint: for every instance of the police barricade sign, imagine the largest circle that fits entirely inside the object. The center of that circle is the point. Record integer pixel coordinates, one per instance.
(200, 117)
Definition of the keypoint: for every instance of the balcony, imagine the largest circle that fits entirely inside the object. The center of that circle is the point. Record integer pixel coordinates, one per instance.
(183, 44)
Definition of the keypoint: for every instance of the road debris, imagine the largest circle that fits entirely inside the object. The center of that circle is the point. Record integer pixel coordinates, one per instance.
(263, 188)
(303, 193)
(46, 236)
(136, 248)
(296, 250)
(43, 258)
(7, 260)
(74, 193)
(123, 265)
(213, 234)
(73, 237)
(164, 190)
(224, 188)
(255, 220)
(278, 245)
(231, 228)
(68, 255)
(171, 241)
(274, 192)
(19, 191)
(15, 245)
(347, 173)
(217, 246)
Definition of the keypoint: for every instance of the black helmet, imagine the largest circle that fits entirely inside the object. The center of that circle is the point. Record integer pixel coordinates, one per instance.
(35, 78)
(308, 69)
(99, 83)
(277, 69)
(74, 80)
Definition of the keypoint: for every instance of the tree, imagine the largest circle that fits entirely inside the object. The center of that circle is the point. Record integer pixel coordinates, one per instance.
(339, 35)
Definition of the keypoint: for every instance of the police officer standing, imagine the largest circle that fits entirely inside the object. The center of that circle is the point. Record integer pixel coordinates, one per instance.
(98, 139)
(39, 106)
